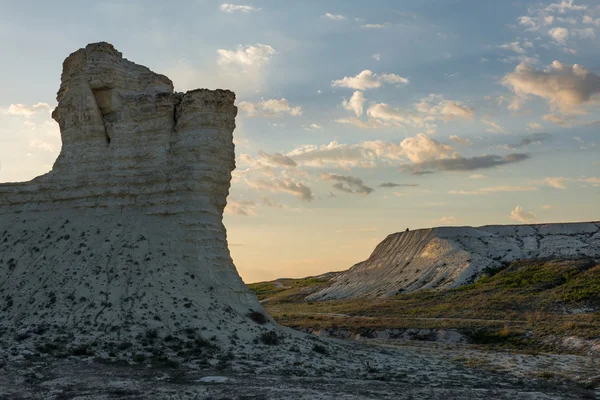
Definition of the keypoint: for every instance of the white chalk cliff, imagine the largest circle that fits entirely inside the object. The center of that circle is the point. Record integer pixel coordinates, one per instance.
(448, 257)
(125, 234)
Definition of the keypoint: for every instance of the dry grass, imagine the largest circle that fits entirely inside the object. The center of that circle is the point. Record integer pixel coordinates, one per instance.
(528, 296)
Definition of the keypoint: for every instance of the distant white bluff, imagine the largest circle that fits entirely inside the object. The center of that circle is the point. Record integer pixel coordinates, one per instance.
(447, 257)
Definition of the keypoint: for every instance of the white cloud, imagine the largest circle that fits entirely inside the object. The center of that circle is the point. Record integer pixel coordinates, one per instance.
(555, 182)
(314, 127)
(376, 57)
(585, 33)
(334, 153)
(560, 35)
(231, 8)
(393, 78)
(422, 148)
(453, 110)
(355, 103)
(492, 126)
(22, 110)
(514, 46)
(565, 87)
(436, 105)
(519, 214)
(534, 126)
(543, 16)
(589, 20)
(560, 182)
(547, 207)
(593, 180)
(363, 81)
(367, 79)
(242, 70)
(297, 189)
(459, 140)
(418, 148)
(246, 56)
(529, 22)
(384, 113)
(334, 17)
(493, 189)
(565, 6)
(558, 119)
(240, 207)
(372, 124)
(270, 108)
(417, 155)
(477, 176)
(521, 49)
(514, 102)
(374, 26)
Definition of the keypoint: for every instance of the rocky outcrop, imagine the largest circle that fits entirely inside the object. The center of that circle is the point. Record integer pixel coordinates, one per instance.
(125, 236)
(448, 257)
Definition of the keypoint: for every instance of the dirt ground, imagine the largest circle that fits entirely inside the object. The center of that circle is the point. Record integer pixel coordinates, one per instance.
(377, 370)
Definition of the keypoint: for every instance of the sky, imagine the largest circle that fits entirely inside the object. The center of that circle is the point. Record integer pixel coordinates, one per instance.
(357, 119)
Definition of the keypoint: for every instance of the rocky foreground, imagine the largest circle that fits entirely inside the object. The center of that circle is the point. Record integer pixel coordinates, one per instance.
(348, 371)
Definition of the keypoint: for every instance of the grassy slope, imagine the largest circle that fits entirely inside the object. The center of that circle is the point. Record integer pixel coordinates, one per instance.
(552, 297)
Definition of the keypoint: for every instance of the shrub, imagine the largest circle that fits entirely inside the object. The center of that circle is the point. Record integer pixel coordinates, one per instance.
(82, 350)
(270, 338)
(258, 317)
(19, 337)
(152, 333)
(125, 345)
(319, 348)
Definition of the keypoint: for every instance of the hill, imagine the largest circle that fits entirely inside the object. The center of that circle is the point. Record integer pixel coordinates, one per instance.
(551, 304)
(448, 257)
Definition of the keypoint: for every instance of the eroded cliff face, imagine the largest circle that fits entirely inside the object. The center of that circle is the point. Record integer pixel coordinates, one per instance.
(447, 257)
(125, 234)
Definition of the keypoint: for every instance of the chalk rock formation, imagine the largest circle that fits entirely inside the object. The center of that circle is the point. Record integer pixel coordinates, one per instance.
(448, 257)
(125, 236)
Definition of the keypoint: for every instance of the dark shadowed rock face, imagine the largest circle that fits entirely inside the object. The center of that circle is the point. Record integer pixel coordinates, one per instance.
(124, 236)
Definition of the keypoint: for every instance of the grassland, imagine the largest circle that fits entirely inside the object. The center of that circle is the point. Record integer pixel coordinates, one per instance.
(520, 306)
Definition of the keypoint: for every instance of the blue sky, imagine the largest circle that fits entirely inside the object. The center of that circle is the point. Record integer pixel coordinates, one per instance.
(467, 112)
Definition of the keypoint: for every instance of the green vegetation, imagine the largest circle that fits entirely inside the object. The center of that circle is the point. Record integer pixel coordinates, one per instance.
(514, 307)
(289, 289)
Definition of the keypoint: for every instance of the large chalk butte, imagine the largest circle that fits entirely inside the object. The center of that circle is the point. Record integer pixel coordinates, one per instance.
(125, 236)
(447, 257)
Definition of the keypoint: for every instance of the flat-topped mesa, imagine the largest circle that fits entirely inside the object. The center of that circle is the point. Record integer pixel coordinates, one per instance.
(447, 257)
(125, 234)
